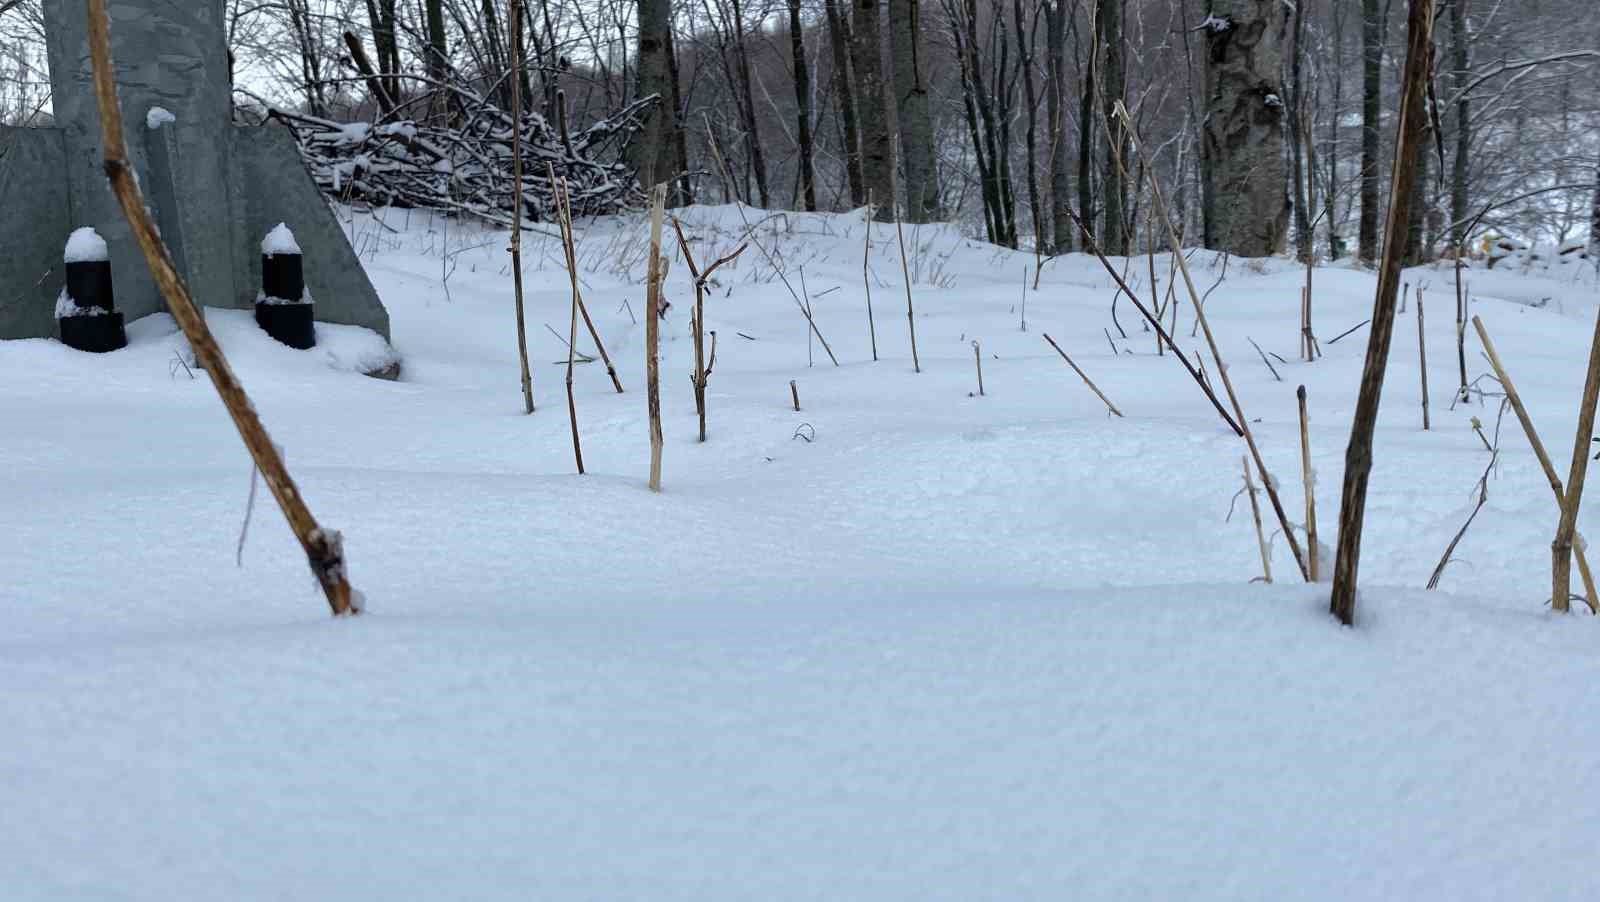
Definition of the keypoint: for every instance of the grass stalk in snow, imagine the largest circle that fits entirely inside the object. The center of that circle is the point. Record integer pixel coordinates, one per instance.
(1358, 455)
(1309, 480)
(1084, 376)
(1255, 512)
(1422, 356)
(324, 549)
(702, 367)
(905, 272)
(1567, 529)
(1539, 452)
(563, 202)
(652, 332)
(516, 212)
(1159, 199)
(866, 279)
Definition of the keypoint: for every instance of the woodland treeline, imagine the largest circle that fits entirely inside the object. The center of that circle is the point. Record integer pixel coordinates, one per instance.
(1269, 123)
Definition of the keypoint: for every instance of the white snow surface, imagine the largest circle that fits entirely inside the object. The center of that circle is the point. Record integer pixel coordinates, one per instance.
(279, 241)
(85, 245)
(955, 647)
(157, 117)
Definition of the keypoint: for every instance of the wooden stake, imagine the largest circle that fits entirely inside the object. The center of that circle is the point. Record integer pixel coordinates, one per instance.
(1255, 511)
(866, 280)
(1422, 354)
(1084, 376)
(1358, 456)
(1566, 531)
(911, 315)
(1591, 594)
(652, 333)
(794, 393)
(563, 200)
(324, 549)
(1308, 479)
(977, 357)
(516, 213)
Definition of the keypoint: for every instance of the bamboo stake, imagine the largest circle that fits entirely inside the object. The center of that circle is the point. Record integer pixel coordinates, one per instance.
(652, 333)
(1255, 511)
(794, 393)
(1198, 303)
(563, 199)
(911, 316)
(1313, 550)
(977, 357)
(1566, 531)
(866, 280)
(1592, 595)
(1084, 376)
(1358, 455)
(516, 213)
(324, 549)
(1422, 354)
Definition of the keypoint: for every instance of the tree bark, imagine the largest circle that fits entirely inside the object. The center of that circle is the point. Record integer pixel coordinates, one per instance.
(802, 101)
(1056, 108)
(747, 107)
(650, 153)
(844, 95)
(1244, 125)
(1114, 229)
(877, 148)
(1372, 31)
(911, 108)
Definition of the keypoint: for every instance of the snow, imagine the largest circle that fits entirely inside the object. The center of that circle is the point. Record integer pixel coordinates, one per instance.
(66, 306)
(157, 117)
(85, 245)
(955, 647)
(279, 241)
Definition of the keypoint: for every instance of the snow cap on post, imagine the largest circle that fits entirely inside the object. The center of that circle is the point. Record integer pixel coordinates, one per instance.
(284, 308)
(280, 241)
(86, 313)
(86, 246)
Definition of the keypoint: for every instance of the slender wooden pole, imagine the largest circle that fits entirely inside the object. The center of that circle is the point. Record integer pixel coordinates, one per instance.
(324, 549)
(1084, 376)
(866, 279)
(1422, 355)
(1255, 511)
(1591, 594)
(905, 271)
(563, 201)
(1309, 480)
(1358, 455)
(516, 212)
(652, 333)
(1566, 531)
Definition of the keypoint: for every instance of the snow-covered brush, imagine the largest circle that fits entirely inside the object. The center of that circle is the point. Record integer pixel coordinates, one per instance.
(466, 167)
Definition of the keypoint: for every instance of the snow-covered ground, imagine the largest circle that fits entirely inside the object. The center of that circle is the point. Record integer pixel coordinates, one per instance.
(907, 643)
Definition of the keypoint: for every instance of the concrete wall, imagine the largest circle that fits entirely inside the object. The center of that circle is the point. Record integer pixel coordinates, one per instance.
(34, 224)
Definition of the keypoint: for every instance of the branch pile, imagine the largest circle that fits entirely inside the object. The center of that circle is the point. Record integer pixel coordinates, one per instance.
(465, 167)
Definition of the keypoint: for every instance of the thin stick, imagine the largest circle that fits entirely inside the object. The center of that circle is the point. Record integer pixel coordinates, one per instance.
(905, 271)
(1084, 376)
(1461, 328)
(1270, 368)
(1216, 355)
(1205, 387)
(866, 252)
(516, 213)
(1309, 480)
(1358, 455)
(1346, 332)
(563, 199)
(1025, 294)
(1422, 354)
(977, 356)
(1566, 531)
(324, 549)
(1255, 511)
(652, 333)
(702, 368)
(794, 393)
(1550, 475)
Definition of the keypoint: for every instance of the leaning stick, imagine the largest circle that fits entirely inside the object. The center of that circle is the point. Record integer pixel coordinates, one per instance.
(1255, 511)
(1094, 247)
(1084, 376)
(977, 357)
(794, 394)
(1205, 326)
(516, 213)
(905, 271)
(1422, 353)
(1515, 397)
(866, 280)
(1567, 529)
(652, 333)
(563, 201)
(1310, 482)
(324, 549)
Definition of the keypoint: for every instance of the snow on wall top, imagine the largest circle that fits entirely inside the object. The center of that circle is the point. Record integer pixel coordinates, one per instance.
(86, 246)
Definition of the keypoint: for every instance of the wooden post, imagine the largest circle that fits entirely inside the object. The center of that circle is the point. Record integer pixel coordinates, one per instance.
(652, 333)
(516, 212)
(1358, 456)
(324, 549)
(1561, 548)
(1308, 479)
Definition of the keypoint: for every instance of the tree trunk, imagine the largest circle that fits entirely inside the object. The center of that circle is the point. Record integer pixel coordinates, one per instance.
(1086, 134)
(844, 94)
(1114, 231)
(802, 101)
(747, 107)
(1056, 108)
(650, 152)
(1460, 61)
(1336, 243)
(1244, 125)
(1026, 40)
(438, 46)
(1371, 120)
(911, 108)
(1305, 241)
(877, 148)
